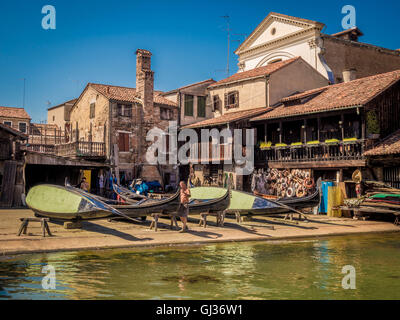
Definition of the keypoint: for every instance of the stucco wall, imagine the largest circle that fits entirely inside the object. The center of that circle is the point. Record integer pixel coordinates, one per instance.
(81, 112)
(252, 94)
(296, 77)
(58, 114)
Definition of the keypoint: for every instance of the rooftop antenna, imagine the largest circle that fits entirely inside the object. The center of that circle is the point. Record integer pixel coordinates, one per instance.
(228, 30)
(23, 93)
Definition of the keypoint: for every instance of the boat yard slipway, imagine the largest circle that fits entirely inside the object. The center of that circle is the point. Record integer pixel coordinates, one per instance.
(102, 234)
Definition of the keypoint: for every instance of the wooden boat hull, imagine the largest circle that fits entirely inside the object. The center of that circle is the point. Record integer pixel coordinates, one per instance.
(127, 194)
(149, 206)
(196, 205)
(58, 202)
(241, 202)
(310, 201)
(215, 205)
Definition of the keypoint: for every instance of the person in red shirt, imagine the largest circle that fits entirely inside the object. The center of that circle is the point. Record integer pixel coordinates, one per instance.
(183, 209)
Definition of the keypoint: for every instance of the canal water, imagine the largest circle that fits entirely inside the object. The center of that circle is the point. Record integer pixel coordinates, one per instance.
(302, 269)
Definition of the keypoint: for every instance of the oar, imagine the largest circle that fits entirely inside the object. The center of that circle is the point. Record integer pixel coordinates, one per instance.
(119, 213)
(289, 208)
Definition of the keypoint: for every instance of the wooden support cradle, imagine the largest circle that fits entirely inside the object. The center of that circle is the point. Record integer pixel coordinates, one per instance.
(25, 222)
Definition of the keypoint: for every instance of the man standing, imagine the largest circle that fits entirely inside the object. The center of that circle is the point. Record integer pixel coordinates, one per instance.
(84, 185)
(183, 210)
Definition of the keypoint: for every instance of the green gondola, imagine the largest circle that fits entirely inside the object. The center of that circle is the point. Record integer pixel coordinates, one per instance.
(241, 202)
(67, 204)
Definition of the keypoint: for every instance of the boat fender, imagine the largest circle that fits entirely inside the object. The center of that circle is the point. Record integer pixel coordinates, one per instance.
(290, 192)
(309, 183)
(300, 192)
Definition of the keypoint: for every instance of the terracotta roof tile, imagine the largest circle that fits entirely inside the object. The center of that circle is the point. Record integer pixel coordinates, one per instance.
(256, 72)
(227, 118)
(349, 94)
(128, 94)
(388, 146)
(11, 112)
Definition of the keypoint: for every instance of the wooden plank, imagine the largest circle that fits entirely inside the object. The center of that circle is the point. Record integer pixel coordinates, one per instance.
(7, 188)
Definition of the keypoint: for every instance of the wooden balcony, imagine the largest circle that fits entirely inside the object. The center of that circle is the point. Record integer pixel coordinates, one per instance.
(77, 149)
(335, 154)
(81, 149)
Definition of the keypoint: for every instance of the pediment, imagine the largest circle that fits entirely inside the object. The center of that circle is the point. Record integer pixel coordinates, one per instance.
(274, 27)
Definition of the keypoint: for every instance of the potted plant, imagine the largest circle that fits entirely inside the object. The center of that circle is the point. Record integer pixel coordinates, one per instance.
(373, 128)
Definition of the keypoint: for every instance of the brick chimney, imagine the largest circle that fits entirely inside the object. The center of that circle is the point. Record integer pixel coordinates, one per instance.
(349, 75)
(145, 82)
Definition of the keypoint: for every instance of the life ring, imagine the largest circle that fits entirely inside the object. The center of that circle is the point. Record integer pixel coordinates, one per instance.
(300, 192)
(289, 192)
(309, 183)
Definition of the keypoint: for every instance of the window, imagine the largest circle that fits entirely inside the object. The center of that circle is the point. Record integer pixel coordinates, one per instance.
(166, 114)
(92, 110)
(188, 105)
(54, 118)
(8, 123)
(124, 110)
(22, 127)
(216, 103)
(123, 142)
(201, 107)
(232, 99)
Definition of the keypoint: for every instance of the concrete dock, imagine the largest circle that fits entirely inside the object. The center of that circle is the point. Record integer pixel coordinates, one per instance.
(102, 234)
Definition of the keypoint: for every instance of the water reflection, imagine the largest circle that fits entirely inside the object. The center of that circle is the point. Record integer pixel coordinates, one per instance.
(281, 270)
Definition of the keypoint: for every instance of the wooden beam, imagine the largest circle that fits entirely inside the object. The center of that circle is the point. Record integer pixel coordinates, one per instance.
(317, 164)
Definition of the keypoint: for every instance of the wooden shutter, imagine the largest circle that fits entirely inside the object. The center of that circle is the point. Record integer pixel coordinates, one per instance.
(201, 107)
(226, 100)
(123, 142)
(236, 98)
(92, 110)
(126, 141)
(188, 105)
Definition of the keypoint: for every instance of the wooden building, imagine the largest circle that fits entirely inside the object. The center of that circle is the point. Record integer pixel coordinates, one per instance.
(385, 158)
(11, 166)
(328, 129)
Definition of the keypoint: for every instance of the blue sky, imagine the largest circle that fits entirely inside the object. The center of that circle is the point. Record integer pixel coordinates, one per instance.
(95, 41)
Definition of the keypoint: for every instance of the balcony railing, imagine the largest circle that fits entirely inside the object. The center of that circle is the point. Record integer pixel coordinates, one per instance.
(342, 150)
(77, 149)
(81, 149)
(42, 148)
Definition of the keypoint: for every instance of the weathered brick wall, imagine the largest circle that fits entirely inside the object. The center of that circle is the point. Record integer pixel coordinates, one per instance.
(367, 61)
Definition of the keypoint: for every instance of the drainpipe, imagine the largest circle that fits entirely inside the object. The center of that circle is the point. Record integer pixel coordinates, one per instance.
(320, 46)
(109, 132)
(179, 107)
(266, 90)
